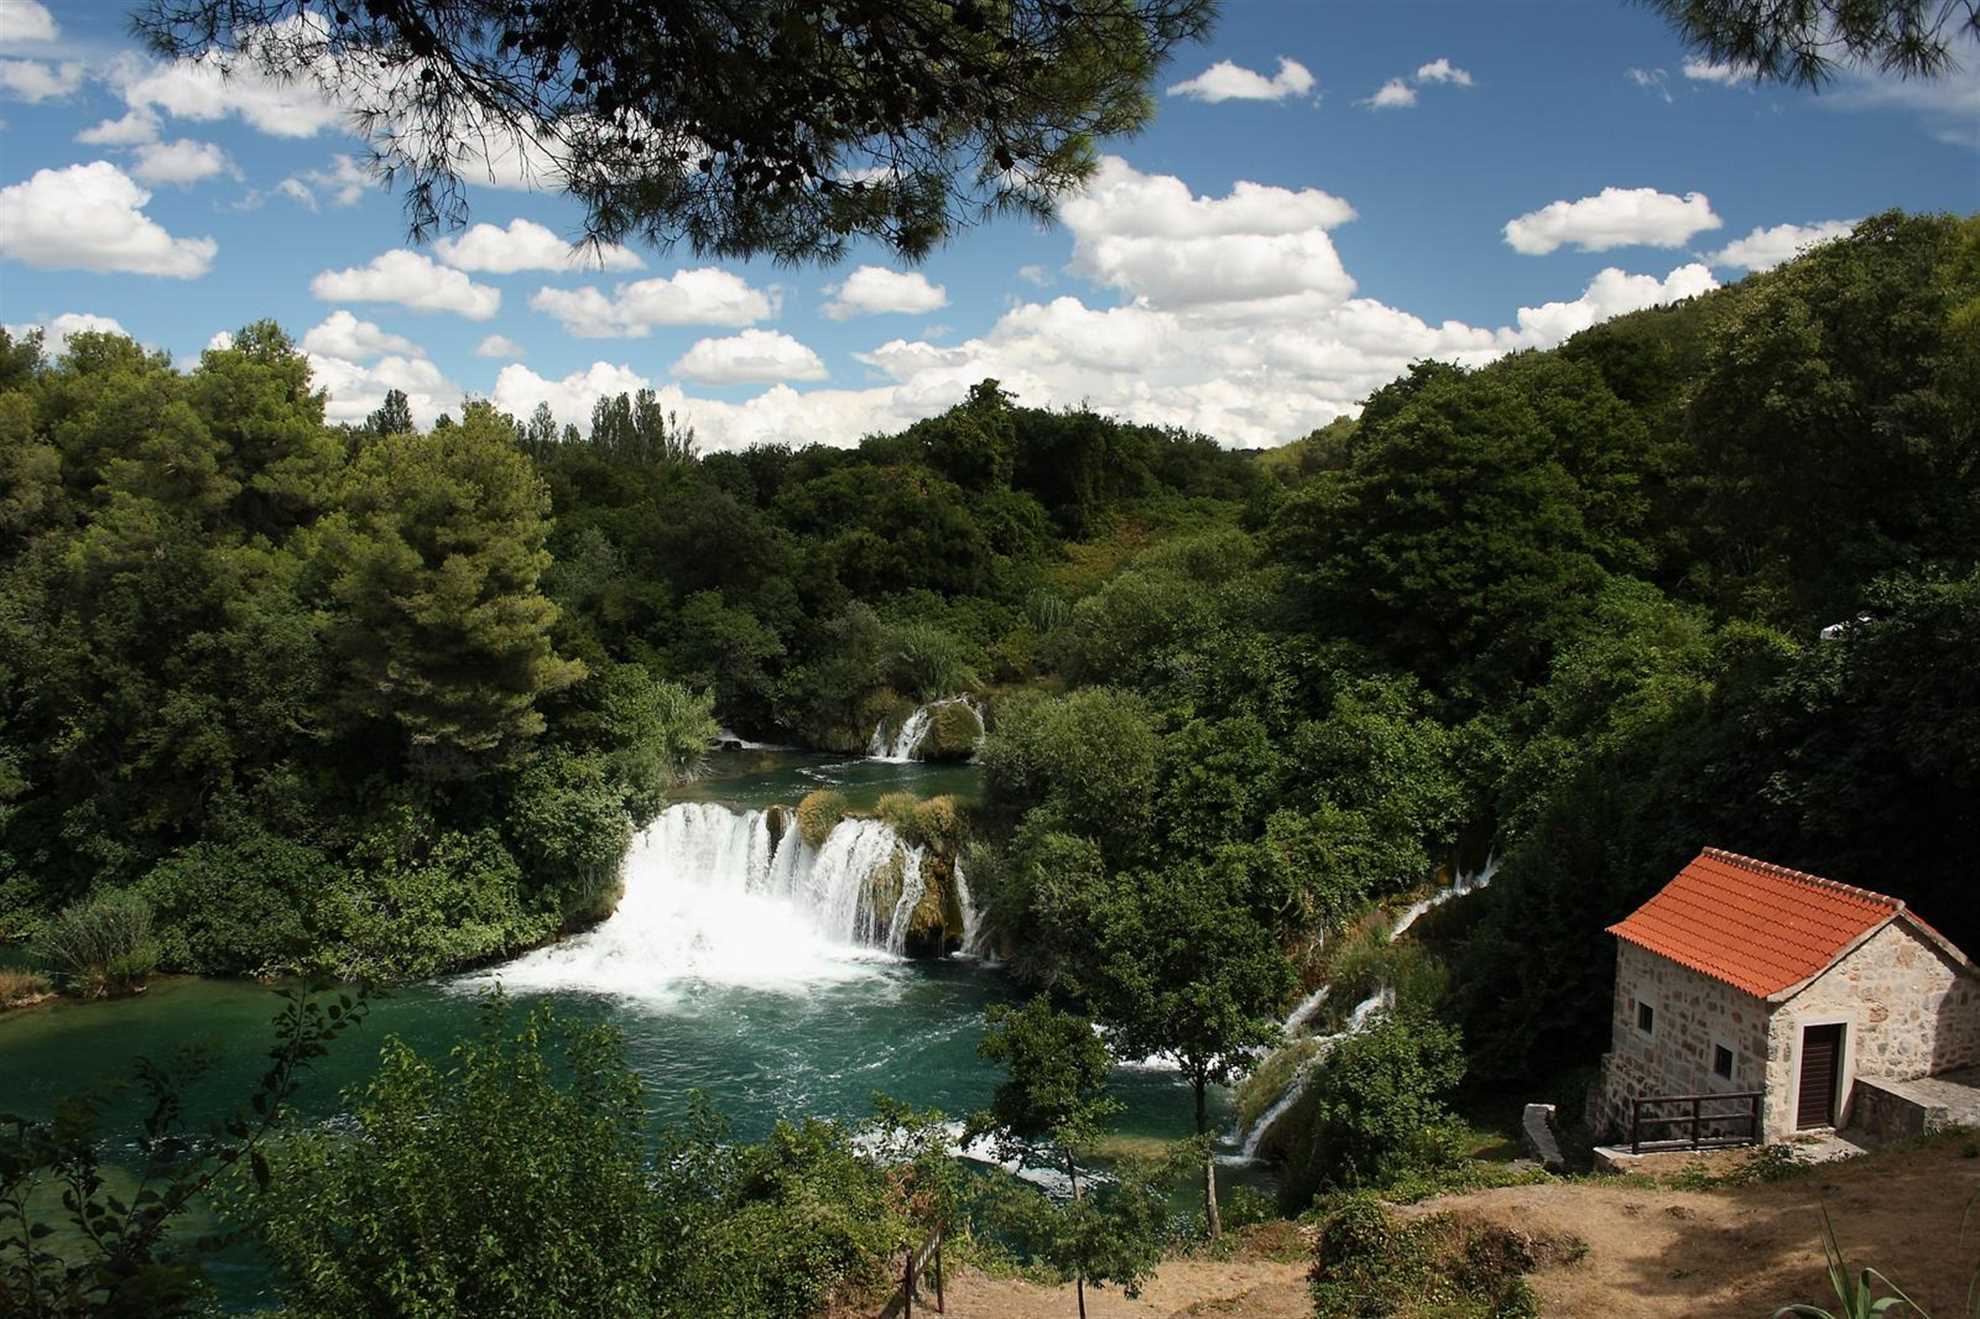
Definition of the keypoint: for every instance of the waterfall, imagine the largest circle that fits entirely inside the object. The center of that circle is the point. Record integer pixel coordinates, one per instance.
(907, 740)
(711, 897)
(972, 933)
(1462, 885)
(1358, 1020)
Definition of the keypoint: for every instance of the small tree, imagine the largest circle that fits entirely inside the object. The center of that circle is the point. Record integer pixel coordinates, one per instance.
(125, 1258)
(1190, 967)
(1048, 1115)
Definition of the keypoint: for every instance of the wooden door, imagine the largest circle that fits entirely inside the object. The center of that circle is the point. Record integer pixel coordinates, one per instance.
(1821, 1067)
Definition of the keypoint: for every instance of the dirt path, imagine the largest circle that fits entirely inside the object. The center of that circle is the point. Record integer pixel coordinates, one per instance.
(1747, 1251)
(1248, 1289)
(1652, 1254)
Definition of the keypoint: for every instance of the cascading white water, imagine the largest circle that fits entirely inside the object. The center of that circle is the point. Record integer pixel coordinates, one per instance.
(972, 932)
(1462, 885)
(1358, 1020)
(710, 896)
(913, 731)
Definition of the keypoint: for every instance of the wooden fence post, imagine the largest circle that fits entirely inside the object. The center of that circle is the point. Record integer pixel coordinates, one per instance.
(907, 1287)
(940, 1308)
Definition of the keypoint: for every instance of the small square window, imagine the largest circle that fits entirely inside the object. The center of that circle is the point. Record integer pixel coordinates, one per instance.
(1646, 1019)
(1722, 1061)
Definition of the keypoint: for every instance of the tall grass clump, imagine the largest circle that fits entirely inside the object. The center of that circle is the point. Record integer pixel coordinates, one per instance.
(101, 946)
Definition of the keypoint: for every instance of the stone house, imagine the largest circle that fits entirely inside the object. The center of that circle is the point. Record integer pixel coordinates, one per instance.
(1740, 976)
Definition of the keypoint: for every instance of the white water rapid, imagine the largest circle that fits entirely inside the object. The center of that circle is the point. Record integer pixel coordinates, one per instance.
(710, 897)
(1462, 885)
(1382, 1000)
(907, 739)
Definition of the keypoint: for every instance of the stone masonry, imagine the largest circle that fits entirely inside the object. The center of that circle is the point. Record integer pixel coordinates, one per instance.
(1692, 1013)
(1908, 1010)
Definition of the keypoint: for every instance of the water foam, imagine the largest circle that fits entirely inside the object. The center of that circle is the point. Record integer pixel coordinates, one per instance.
(711, 897)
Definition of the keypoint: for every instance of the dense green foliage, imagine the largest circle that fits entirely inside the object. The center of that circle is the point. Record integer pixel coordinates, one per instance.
(1574, 606)
(1705, 575)
(522, 1177)
(1047, 1114)
(377, 703)
(746, 127)
(124, 1249)
(1371, 1264)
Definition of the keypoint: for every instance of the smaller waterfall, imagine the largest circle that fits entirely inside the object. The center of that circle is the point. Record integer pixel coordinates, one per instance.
(907, 740)
(1462, 885)
(972, 918)
(1382, 1000)
(1303, 1012)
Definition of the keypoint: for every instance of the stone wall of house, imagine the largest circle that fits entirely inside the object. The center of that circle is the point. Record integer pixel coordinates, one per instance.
(1693, 1012)
(1907, 1008)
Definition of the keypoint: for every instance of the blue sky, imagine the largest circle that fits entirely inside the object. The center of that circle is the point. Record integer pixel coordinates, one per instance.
(1425, 179)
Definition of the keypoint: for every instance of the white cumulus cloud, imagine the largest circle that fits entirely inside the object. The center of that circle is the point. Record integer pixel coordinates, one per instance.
(27, 20)
(56, 331)
(1611, 293)
(1442, 70)
(182, 162)
(871, 290)
(215, 86)
(527, 245)
(356, 390)
(1151, 237)
(345, 182)
(499, 345)
(221, 341)
(1765, 248)
(706, 296)
(34, 82)
(1615, 217)
(410, 279)
(752, 357)
(1395, 94)
(91, 217)
(343, 335)
(131, 129)
(1226, 81)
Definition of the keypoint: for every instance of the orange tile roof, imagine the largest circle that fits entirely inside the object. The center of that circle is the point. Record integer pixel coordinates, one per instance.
(1759, 927)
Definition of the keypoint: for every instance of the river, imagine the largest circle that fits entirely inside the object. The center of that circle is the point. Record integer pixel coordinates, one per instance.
(735, 966)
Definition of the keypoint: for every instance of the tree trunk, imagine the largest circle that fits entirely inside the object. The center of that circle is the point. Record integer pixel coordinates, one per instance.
(1079, 1274)
(1209, 1164)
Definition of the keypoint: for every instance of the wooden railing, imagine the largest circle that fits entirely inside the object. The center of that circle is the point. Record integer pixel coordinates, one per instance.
(901, 1306)
(1697, 1119)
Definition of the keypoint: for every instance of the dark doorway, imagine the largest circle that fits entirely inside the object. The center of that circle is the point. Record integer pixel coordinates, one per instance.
(1821, 1065)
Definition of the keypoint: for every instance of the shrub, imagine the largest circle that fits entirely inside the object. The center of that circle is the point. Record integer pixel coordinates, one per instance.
(954, 728)
(1368, 1108)
(818, 814)
(940, 824)
(238, 906)
(898, 810)
(1368, 1264)
(101, 946)
(18, 988)
(931, 662)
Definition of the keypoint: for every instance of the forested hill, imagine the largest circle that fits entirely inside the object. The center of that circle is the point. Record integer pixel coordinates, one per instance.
(381, 702)
(1579, 603)
(374, 702)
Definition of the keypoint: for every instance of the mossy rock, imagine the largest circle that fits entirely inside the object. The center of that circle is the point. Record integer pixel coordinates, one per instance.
(778, 821)
(954, 729)
(900, 811)
(935, 924)
(884, 890)
(818, 814)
